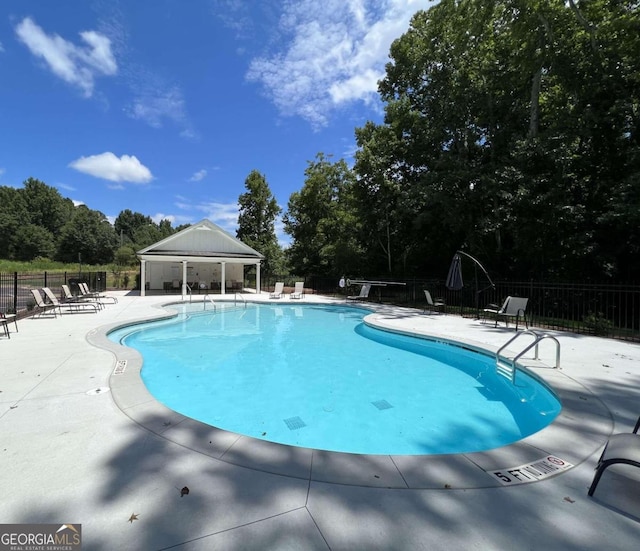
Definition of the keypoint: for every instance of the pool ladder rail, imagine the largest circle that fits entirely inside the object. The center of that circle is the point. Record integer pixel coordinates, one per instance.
(506, 366)
(235, 299)
(209, 298)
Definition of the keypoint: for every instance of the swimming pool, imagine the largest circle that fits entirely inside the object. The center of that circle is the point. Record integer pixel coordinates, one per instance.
(318, 377)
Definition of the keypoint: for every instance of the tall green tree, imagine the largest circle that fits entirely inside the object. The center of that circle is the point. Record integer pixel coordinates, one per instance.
(13, 215)
(256, 221)
(47, 208)
(509, 127)
(321, 220)
(32, 242)
(87, 235)
(127, 223)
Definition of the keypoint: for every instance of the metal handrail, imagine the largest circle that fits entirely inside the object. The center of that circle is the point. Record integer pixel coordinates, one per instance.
(235, 298)
(513, 361)
(517, 335)
(204, 302)
(536, 343)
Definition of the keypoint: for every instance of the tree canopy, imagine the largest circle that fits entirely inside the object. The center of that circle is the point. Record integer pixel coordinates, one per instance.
(256, 221)
(511, 129)
(37, 222)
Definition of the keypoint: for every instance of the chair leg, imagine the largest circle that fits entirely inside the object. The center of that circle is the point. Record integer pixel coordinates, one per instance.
(599, 470)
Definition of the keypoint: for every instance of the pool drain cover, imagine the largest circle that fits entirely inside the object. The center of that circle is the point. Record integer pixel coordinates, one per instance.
(382, 404)
(295, 423)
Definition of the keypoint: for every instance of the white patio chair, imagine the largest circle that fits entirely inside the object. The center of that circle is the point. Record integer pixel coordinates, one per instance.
(298, 291)
(277, 290)
(364, 293)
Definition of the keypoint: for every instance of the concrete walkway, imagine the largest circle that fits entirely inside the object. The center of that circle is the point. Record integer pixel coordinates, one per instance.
(79, 444)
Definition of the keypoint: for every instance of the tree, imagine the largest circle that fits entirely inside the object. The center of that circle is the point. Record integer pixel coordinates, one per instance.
(33, 241)
(46, 207)
(88, 233)
(509, 126)
(320, 219)
(127, 223)
(256, 221)
(13, 215)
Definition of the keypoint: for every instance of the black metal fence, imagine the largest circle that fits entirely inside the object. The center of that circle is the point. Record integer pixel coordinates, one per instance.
(611, 310)
(15, 287)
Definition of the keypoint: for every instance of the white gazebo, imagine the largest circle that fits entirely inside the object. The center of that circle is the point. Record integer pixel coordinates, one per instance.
(200, 257)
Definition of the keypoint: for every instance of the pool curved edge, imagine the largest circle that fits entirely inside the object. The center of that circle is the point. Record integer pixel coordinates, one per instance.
(580, 429)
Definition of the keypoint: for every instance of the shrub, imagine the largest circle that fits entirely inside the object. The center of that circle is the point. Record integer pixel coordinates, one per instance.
(598, 324)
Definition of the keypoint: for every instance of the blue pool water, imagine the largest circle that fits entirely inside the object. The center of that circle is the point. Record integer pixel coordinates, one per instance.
(318, 377)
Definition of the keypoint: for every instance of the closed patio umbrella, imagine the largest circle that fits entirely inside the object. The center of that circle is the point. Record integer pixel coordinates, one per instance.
(454, 278)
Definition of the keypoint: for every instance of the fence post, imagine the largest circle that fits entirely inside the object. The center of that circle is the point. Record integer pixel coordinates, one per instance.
(15, 293)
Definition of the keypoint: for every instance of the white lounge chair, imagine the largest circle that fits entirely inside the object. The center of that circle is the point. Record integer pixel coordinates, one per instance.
(84, 290)
(70, 297)
(43, 307)
(620, 448)
(364, 293)
(513, 307)
(72, 306)
(298, 290)
(437, 305)
(278, 289)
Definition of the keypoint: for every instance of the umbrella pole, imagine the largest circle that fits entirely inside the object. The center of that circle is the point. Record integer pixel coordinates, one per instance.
(475, 270)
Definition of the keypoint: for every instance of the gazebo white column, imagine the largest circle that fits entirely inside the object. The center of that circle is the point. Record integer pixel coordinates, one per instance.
(184, 279)
(223, 276)
(258, 278)
(143, 277)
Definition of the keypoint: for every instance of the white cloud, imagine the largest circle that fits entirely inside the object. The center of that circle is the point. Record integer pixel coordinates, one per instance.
(198, 175)
(334, 54)
(2, 171)
(109, 167)
(78, 65)
(156, 101)
(1, 47)
(77, 203)
(175, 219)
(223, 214)
(152, 106)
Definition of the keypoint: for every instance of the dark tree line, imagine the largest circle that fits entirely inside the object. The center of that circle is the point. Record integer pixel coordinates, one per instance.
(37, 222)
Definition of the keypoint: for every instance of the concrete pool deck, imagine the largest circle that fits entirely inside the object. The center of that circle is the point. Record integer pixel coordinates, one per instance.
(80, 444)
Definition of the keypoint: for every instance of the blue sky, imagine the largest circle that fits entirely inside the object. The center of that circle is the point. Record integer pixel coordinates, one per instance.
(164, 107)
